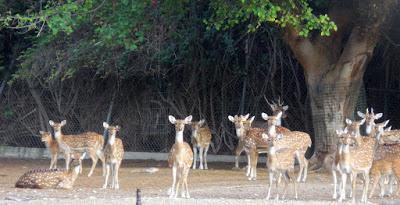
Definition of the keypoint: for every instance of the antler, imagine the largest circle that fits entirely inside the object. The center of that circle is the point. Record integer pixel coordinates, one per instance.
(272, 105)
(280, 103)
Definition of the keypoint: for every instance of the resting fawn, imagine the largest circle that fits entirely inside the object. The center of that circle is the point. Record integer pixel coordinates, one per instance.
(113, 153)
(180, 158)
(50, 178)
(201, 139)
(90, 142)
(280, 163)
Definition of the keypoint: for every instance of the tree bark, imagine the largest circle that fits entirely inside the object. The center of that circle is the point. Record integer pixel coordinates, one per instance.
(334, 67)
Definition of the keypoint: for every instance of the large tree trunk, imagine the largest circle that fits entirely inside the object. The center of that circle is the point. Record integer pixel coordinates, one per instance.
(334, 67)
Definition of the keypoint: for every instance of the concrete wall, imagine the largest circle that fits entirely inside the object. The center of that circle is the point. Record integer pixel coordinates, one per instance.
(42, 153)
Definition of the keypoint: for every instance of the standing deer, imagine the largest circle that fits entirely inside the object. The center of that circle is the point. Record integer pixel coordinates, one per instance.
(299, 141)
(369, 118)
(54, 150)
(242, 123)
(113, 153)
(280, 163)
(180, 158)
(50, 178)
(201, 139)
(358, 160)
(90, 142)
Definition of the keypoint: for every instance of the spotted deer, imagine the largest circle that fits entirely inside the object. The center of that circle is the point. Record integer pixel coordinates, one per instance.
(180, 158)
(89, 142)
(241, 123)
(201, 139)
(54, 150)
(299, 141)
(113, 154)
(280, 163)
(369, 118)
(359, 160)
(50, 178)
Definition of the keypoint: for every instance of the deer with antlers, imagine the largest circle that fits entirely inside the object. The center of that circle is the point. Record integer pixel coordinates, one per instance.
(180, 158)
(278, 107)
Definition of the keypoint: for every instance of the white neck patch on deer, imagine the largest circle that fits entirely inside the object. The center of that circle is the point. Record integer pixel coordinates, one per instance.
(57, 134)
(111, 141)
(279, 122)
(179, 137)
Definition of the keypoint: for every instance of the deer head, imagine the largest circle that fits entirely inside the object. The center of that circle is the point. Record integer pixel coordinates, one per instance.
(57, 127)
(241, 123)
(344, 138)
(179, 126)
(370, 118)
(379, 129)
(353, 127)
(277, 107)
(45, 136)
(196, 125)
(112, 132)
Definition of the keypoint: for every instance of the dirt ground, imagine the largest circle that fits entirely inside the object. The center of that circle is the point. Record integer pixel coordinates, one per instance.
(218, 185)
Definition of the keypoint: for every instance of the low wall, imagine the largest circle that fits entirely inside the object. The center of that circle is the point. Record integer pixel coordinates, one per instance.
(42, 153)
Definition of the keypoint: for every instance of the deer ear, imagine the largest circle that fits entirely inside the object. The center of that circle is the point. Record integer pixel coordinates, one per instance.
(362, 115)
(51, 122)
(201, 122)
(362, 121)
(188, 119)
(64, 122)
(338, 132)
(385, 123)
(345, 130)
(117, 127)
(171, 119)
(105, 125)
(232, 119)
(388, 128)
(41, 132)
(285, 108)
(377, 116)
(83, 156)
(348, 121)
(279, 115)
(251, 119)
(246, 116)
(264, 116)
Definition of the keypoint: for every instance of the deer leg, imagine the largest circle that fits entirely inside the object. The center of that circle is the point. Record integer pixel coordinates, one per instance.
(376, 179)
(286, 187)
(194, 156)
(205, 156)
(366, 186)
(334, 182)
(100, 155)
(238, 151)
(301, 164)
(277, 188)
(94, 158)
(305, 168)
(53, 161)
(185, 183)
(343, 188)
(201, 149)
(271, 179)
(179, 181)
(391, 182)
(353, 187)
(254, 165)
(382, 186)
(174, 175)
(117, 166)
(248, 164)
(107, 175)
(67, 157)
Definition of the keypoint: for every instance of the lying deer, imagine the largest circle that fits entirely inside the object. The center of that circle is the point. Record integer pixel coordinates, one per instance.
(50, 178)
(90, 142)
(180, 158)
(201, 139)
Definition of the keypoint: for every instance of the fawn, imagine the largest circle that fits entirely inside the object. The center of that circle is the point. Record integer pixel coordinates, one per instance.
(299, 141)
(54, 149)
(89, 141)
(201, 139)
(358, 160)
(280, 163)
(180, 158)
(241, 124)
(50, 178)
(113, 154)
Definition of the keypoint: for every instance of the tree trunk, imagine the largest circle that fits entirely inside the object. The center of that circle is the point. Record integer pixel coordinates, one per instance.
(334, 67)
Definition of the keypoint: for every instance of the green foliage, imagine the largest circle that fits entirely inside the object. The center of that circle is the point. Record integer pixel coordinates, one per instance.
(255, 13)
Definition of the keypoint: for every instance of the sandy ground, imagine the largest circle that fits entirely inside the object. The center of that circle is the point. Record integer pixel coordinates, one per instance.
(218, 185)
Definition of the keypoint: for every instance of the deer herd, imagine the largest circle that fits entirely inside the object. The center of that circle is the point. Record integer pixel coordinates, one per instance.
(375, 155)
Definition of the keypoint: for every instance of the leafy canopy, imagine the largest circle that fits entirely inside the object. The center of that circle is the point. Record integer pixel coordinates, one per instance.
(296, 13)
